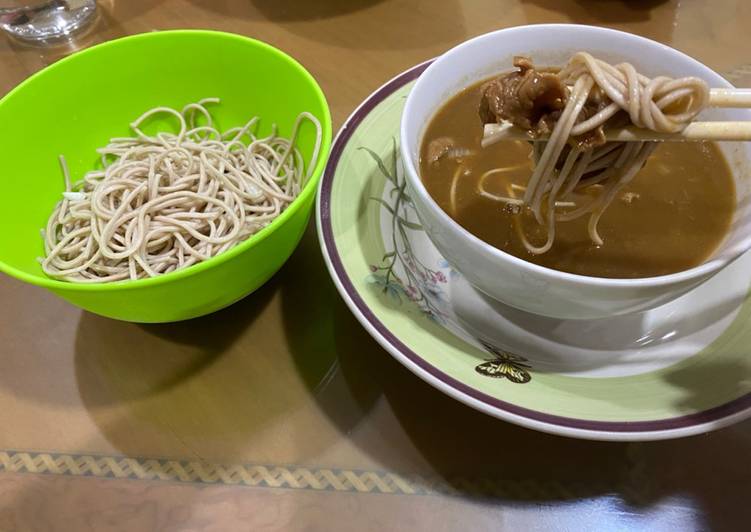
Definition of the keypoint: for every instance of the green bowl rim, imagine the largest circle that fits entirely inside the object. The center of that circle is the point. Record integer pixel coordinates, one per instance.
(309, 188)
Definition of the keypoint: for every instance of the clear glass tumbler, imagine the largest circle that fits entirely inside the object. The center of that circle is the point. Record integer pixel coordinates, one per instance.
(45, 21)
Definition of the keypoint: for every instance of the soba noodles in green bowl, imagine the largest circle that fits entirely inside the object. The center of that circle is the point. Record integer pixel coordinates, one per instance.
(161, 176)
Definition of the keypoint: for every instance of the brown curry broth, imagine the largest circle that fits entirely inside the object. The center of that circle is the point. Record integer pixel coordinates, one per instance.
(681, 205)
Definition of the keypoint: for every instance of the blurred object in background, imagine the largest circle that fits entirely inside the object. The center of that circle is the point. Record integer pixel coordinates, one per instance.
(46, 21)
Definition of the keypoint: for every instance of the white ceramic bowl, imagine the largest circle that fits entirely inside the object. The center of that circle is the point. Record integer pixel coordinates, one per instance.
(514, 281)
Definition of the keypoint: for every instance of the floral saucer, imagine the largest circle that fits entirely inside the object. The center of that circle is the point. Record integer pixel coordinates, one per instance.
(681, 369)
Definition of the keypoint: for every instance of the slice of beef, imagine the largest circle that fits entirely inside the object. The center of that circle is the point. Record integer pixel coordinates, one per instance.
(438, 148)
(528, 98)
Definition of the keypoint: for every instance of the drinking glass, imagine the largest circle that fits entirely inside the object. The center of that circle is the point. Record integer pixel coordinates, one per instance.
(42, 21)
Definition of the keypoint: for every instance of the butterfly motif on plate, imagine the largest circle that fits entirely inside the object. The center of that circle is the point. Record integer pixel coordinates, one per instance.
(504, 365)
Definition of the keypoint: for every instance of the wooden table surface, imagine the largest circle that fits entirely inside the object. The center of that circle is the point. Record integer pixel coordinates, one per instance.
(272, 415)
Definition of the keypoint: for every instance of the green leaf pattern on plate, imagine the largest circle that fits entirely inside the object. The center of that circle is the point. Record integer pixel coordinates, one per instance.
(423, 286)
(401, 274)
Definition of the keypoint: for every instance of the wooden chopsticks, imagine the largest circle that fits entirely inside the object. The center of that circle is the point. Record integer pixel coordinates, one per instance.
(696, 131)
(738, 98)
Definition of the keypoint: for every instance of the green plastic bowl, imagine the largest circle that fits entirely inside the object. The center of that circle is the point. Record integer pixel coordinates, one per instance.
(76, 105)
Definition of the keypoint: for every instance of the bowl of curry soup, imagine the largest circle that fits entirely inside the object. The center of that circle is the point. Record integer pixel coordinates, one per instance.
(682, 218)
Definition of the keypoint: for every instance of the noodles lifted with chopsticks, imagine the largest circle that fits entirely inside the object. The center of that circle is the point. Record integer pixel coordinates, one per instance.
(165, 202)
(576, 156)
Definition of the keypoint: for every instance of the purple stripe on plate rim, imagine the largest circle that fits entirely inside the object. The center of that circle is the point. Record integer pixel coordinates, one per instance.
(710, 415)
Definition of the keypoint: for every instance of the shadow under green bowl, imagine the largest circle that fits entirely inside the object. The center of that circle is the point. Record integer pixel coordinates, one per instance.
(77, 104)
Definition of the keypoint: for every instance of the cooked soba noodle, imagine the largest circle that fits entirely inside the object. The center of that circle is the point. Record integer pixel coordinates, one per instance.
(165, 202)
(661, 104)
